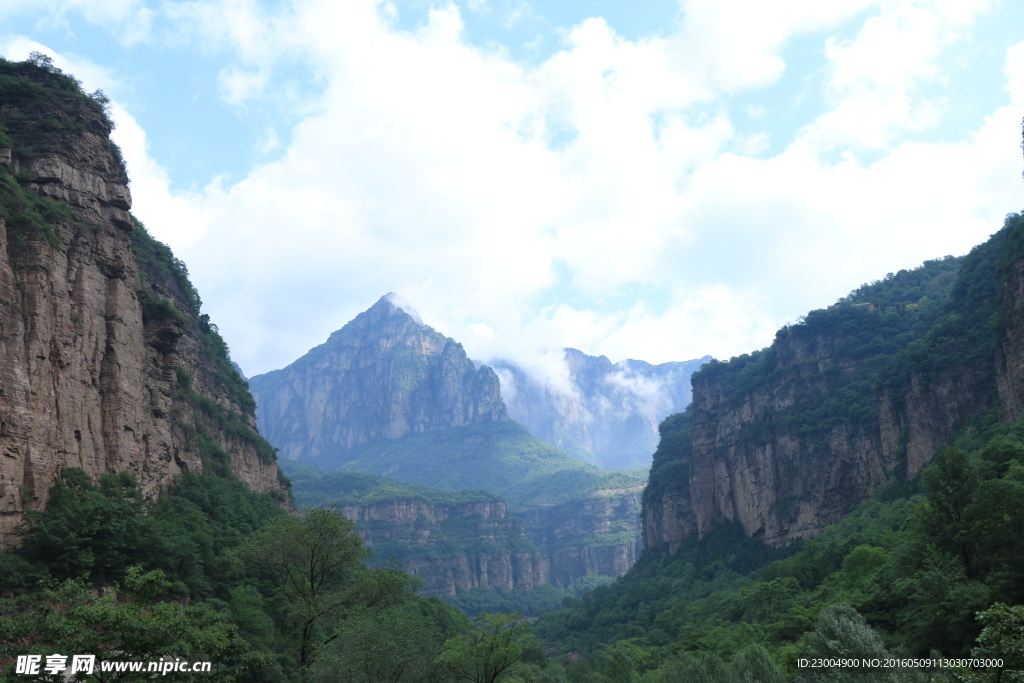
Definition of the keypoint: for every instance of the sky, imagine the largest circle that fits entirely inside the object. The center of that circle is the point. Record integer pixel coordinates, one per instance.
(657, 180)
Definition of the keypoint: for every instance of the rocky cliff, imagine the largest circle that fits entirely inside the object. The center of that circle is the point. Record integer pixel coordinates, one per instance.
(596, 534)
(785, 441)
(456, 541)
(105, 363)
(380, 377)
(602, 412)
(453, 547)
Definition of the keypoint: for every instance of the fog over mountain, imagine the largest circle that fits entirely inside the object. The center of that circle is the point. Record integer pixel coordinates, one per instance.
(602, 412)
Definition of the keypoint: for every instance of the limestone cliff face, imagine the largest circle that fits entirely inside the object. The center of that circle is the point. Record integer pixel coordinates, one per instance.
(599, 534)
(1010, 352)
(601, 412)
(453, 548)
(782, 485)
(382, 376)
(788, 440)
(84, 380)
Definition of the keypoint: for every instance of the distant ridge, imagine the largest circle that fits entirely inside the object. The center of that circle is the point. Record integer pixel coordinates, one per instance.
(607, 413)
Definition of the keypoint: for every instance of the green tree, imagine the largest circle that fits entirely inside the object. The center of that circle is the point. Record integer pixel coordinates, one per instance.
(769, 598)
(842, 633)
(1001, 638)
(88, 530)
(952, 483)
(755, 665)
(314, 562)
(393, 645)
(69, 618)
(487, 653)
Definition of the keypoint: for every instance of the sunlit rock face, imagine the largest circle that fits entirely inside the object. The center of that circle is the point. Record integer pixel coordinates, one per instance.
(382, 376)
(84, 381)
(602, 412)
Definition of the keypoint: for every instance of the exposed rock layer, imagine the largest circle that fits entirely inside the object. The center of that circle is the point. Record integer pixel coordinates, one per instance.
(500, 550)
(382, 376)
(790, 452)
(84, 382)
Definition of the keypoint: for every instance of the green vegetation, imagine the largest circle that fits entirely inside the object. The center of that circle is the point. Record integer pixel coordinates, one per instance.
(28, 214)
(913, 566)
(159, 265)
(917, 570)
(500, 457)
(531, 602)
(314, 487)
(47, 107)
(212, 571)
(123, 625)
(168, 295)
(453, 535)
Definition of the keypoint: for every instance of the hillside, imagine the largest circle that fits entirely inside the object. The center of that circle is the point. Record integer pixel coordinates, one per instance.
(463, 539)
(106, 363)
(883, 427)
(854, 394)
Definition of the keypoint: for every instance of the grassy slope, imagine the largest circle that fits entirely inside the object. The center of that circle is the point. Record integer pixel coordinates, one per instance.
(500, 457)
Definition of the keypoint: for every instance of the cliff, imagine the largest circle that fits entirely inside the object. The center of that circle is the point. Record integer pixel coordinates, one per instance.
(787, 440)
(595, 534)
(456, 541)
(105, 363)
(604, 413)
(382, 376)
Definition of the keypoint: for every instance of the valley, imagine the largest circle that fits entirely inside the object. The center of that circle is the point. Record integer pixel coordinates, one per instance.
(386, 508)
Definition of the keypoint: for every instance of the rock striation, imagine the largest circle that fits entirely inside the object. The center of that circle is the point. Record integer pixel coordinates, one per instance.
(602, 412)
(453, 547)
(456, 547)
(87, 378)
(597, 534)
(382, 376)
(787, 440)
(456, 541)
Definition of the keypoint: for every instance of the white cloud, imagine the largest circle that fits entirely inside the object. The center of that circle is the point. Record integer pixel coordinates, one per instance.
(482, 190)
(876, 77)
(129, 21)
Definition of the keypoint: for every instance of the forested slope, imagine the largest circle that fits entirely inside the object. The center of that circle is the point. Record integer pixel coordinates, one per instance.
(931, 555)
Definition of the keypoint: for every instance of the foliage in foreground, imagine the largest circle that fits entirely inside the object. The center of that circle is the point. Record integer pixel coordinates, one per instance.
(214, 572)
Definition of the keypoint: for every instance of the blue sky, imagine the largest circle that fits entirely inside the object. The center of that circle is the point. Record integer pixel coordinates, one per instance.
(656, 181)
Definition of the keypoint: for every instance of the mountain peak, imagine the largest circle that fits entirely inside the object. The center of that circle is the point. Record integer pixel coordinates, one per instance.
(383, 375)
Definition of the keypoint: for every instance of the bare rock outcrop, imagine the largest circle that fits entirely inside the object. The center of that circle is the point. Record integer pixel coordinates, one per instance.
(86, 378)
(381, 376)
(786, 441)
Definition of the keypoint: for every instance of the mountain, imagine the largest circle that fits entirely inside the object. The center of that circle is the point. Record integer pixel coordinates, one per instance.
(605, 413)
(382, 376)
(787, 440)
(105, 361)
(858, 481)
(388, 396)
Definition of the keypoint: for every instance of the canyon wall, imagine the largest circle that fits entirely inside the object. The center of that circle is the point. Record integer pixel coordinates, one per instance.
(787, 440)
(94, 350)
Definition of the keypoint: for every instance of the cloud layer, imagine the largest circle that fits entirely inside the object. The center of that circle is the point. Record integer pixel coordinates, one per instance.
(616, 197)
